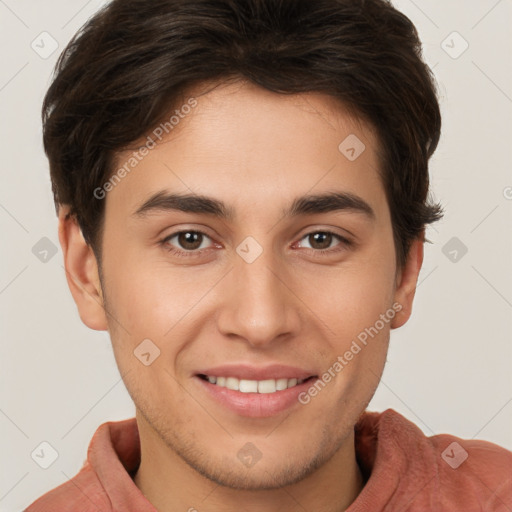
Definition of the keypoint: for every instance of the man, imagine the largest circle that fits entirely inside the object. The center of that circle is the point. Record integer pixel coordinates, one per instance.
(242, 190)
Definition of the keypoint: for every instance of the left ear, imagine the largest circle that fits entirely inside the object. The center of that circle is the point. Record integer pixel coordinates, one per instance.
(407, 280)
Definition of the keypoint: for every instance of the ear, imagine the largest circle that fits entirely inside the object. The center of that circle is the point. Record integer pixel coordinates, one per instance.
(407, 280)
(81, 272)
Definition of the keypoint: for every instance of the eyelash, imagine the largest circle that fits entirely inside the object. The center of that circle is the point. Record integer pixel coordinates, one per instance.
(190, 254)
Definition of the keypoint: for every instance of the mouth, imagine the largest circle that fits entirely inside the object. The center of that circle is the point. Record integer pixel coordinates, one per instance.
(252, 392)
(266, 386)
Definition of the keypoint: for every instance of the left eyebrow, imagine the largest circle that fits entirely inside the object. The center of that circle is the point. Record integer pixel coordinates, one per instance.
(329, 202)
(164, 201)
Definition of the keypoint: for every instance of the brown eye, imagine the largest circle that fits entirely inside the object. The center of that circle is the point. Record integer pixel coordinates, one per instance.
(186, 241)
(189, 240)
(322, 241)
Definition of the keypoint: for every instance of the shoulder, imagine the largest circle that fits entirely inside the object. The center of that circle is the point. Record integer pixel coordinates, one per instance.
(86, 491)
(465, 471)
(83, 492)
(480, 470)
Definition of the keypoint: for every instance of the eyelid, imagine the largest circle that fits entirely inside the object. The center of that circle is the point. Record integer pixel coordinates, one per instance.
(166, 239)
(346, 241)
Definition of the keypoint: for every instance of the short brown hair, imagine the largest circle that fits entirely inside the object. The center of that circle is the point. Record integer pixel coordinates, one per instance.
(128, 65)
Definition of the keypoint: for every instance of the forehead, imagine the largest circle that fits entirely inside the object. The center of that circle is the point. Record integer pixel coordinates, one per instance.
(246, 145)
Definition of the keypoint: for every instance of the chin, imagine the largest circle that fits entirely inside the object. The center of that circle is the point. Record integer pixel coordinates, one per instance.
(264, 477)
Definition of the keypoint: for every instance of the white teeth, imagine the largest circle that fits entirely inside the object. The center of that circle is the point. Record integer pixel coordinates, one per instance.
(267, 386)
(232, 383)
(248, 386)
(281, 384)
(254, 386)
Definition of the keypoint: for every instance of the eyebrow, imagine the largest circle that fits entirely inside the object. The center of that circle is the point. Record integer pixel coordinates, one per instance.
(164, 201)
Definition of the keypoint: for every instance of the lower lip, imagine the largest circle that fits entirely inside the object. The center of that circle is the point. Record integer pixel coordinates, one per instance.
(255, 405)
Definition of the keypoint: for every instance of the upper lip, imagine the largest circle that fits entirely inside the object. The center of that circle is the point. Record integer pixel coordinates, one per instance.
(249, 372)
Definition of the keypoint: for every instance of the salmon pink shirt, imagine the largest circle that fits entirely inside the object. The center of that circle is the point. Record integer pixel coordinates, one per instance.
(404, 470)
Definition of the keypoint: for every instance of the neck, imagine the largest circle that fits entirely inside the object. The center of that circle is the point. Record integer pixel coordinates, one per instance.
(170, 484)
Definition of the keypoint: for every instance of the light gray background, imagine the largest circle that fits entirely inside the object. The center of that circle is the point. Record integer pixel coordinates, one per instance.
(449, 368)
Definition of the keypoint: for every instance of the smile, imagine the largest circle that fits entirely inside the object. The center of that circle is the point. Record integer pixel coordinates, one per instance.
(253, 386)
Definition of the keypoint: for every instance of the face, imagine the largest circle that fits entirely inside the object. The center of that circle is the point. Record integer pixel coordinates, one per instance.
(248, 284)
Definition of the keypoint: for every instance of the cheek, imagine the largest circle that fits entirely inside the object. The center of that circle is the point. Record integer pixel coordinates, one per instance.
(358, 331)
(148, 295)
(153, 301)
(351, 297)
(355, 306)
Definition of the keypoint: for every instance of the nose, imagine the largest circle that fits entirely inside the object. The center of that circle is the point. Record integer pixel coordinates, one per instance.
(259, 305)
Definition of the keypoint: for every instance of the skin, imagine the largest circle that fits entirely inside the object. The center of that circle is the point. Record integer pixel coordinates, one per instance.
(256, 151)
